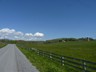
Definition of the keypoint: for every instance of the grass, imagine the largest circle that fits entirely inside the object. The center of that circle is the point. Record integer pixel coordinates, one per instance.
(2, 44)
(42, 64)
(78, 49)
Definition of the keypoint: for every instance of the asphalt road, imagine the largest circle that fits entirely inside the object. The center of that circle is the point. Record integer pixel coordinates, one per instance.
(12, 60)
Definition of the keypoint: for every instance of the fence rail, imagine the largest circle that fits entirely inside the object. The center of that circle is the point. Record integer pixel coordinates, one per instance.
(78, 64)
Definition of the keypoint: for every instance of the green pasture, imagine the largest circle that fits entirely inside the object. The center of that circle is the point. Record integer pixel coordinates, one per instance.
(78, 49)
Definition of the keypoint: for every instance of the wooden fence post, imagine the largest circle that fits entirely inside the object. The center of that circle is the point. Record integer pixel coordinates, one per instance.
(50, 56)
(62, 61)
(84, 66)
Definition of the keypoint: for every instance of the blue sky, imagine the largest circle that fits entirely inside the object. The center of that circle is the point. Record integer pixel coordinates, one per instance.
(54, 18)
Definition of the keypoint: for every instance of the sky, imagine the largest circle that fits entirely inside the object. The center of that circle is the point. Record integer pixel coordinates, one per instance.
(47, 19)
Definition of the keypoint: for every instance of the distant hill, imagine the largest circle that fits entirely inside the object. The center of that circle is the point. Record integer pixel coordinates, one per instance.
(69, 39)
(49, 41)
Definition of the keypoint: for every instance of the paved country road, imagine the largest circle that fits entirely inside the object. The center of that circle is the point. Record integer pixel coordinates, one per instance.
(12, 60)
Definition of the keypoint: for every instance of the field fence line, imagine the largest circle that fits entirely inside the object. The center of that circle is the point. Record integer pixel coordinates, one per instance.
(79, 64)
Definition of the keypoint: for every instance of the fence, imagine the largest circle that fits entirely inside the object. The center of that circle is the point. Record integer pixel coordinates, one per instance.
(75, 63)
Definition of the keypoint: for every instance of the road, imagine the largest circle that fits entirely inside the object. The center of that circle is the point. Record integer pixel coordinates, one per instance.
(13, 60)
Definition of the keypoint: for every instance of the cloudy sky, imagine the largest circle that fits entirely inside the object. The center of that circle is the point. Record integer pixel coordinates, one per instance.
(47, 19)
(7, 33)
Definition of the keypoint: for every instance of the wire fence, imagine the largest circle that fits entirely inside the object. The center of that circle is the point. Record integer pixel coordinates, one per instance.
(75, 63)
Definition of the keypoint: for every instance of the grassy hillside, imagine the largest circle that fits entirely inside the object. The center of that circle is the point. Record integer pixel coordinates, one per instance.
(78, 49)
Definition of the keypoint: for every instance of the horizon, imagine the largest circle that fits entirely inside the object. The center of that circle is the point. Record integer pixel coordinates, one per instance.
(47, 39)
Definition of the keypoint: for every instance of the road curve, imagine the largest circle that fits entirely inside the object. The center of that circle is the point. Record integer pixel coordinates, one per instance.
(13, 60)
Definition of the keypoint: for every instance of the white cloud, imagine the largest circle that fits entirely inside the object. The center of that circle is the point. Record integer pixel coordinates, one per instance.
(6, 31)
(29, 34)
(38, 34)
(18, 35)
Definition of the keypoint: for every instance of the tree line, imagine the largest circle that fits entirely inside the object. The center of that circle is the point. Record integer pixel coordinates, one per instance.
(70, 39)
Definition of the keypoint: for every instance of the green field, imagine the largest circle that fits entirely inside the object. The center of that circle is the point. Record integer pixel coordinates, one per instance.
(78, 49)
(2, 44)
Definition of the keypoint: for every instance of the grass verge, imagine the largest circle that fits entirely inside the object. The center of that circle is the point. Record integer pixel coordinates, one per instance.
(2, 44)
(43, 64)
